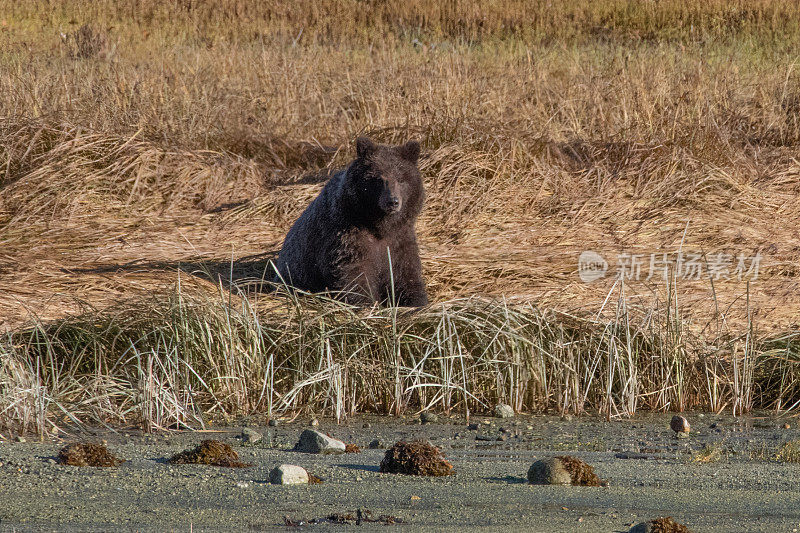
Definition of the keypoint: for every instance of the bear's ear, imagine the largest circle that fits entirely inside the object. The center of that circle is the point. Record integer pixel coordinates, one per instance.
(364, 148)
(409, 151)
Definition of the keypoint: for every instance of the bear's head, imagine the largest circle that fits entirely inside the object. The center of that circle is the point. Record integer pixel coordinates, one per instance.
(383, 185)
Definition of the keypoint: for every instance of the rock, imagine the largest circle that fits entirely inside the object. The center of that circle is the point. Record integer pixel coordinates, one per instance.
(549, 472)
(502, 410)
(485, 438)
(314, 422)
(472, 426)
(787, 426)
(366, 425)
(312, 441)
(566, 418)
(563, 470)
(679, 425)
(288, 475)
(250, 436)
(428, 418)
(272, 422)
(20, 439)
(375, 444)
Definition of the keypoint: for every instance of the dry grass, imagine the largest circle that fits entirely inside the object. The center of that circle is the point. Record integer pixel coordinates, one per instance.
(535, 149)
(140, 140)
(172, 359)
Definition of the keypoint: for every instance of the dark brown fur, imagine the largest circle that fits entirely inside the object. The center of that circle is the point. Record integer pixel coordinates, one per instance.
(364, 215)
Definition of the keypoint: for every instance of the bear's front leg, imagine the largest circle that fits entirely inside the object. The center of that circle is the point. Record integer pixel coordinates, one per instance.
(409, 286)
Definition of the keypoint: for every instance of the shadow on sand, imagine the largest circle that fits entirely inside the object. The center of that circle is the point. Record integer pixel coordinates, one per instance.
(247, 273)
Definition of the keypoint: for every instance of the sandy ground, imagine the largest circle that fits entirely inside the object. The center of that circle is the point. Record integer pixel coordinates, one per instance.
(650, 474)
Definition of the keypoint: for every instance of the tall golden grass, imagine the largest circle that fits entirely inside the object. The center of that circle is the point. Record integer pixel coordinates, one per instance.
(141, 138)
(180, 359)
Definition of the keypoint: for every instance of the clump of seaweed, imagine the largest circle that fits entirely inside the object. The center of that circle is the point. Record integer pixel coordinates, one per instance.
(87, 454)
(314, 480)
(664, 524)
(351, 448)
(417, 458)
(361, 516)
(210, 452)
(580, 472)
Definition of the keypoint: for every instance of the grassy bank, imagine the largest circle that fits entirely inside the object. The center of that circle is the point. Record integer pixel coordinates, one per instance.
(182, 358)
(141, 141)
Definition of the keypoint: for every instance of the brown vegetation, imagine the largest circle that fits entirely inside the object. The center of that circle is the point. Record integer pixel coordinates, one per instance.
(87, 454)
(667, 524)
(580, 472)
(210, 452)
(417, 458)
(610, 132)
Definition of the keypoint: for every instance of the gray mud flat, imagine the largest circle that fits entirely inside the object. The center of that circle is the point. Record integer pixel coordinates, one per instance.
(650, 474)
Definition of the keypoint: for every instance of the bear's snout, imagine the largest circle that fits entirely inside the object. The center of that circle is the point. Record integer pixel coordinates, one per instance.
(390, 203)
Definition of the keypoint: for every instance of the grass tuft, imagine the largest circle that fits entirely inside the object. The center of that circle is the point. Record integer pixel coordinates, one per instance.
(789, 452)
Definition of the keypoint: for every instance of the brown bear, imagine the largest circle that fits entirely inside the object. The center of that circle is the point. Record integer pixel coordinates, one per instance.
(363, 218)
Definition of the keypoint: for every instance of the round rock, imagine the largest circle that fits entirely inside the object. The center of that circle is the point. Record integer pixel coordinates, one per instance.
(428, 417)
(288, 475)
(312, 441)
(250, 436)
(503, 410)
(549, 472)
(679, 424)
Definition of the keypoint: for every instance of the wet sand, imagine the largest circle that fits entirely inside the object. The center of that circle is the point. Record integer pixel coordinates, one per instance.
(650, 473)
